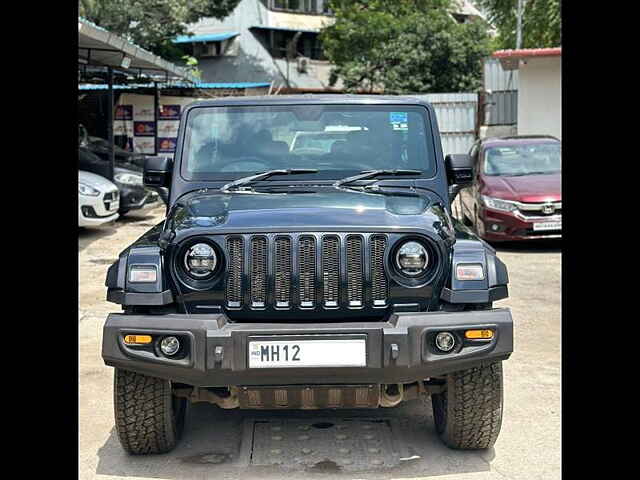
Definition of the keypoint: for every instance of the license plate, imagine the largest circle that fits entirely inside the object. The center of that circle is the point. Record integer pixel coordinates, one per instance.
(307, 353)
(541, 226)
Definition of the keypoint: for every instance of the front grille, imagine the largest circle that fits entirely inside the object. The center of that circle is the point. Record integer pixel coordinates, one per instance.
(306, 271)
(111, 195)
(538, 213)
(354, 271)
(235, 269)
(283, 271)
(307, 282)
(378, 277)
(258, 271)
(330, 271)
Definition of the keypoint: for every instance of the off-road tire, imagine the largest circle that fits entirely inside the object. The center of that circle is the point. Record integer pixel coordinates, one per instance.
(468, 414)
(149, 419)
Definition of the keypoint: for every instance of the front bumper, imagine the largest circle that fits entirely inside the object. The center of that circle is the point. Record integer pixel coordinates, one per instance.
(138, 199)
(398, 351)
(514, 227)
(95, 210)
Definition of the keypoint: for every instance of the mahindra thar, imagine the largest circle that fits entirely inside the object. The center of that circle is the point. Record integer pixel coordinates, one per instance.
(317, 274)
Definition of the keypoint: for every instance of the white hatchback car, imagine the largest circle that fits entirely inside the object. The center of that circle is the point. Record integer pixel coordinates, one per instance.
(98, 200)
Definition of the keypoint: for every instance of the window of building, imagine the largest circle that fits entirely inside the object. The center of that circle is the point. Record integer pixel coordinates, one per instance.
(305, 6)
(308, 44)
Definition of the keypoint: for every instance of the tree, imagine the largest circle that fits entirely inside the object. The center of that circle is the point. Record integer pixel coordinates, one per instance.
(541, 22)
(153, 24)
(404, 46)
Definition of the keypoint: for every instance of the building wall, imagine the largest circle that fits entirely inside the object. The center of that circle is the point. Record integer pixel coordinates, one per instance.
(540, 97)
(253, 62)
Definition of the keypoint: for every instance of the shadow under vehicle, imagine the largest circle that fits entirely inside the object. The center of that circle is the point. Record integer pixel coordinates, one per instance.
(287, 280)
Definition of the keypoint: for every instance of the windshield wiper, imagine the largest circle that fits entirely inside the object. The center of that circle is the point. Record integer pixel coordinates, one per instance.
(261, 176)
(375, 173)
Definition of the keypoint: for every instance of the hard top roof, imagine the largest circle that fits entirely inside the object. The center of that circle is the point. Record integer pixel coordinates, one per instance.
(315, 99)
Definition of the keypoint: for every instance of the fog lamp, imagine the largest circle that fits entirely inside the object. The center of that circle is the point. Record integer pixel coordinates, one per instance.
(169, 346)
(445, 341)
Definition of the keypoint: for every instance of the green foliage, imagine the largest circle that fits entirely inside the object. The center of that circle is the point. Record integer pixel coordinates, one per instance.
(404, 46)
(541, 22)
(192, 66)
(152, 24)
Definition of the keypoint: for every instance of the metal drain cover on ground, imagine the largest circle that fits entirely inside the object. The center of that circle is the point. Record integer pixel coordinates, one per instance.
(325, 444)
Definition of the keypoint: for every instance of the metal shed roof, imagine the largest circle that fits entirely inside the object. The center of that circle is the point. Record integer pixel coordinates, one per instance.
(212, 37)
(284, 29)
(97, 46)
(510, 59)
(202, 86)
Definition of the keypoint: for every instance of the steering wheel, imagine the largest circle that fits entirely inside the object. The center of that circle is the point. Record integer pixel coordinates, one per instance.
(245, 164)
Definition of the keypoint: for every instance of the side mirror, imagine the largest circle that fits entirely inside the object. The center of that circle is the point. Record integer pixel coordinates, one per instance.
(157, 172)
(459, 169)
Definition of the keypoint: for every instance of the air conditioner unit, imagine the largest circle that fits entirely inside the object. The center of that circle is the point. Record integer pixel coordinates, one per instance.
(303, 64)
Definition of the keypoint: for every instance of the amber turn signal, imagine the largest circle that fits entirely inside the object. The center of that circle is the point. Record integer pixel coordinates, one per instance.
(482, 334)
(137, 339)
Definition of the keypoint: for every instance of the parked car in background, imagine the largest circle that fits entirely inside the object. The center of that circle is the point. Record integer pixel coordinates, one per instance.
(98, 200)
(127, 177)
(516, 192)
(101, 147)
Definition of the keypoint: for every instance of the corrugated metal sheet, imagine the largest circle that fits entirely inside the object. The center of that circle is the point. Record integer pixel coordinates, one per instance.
(502, 108)
(496, 79)
(203, 86)
(212, 37)
(456, 114)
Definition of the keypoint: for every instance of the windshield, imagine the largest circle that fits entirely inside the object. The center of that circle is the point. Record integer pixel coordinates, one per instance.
(527, 159)
(226, 143)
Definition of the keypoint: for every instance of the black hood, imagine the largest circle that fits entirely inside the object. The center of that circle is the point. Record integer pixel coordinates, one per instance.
(318, 208)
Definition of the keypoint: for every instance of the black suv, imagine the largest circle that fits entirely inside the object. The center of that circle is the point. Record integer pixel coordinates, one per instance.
(304, 280)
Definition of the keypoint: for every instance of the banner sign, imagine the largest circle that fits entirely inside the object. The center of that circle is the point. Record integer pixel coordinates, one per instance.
(143, 113)
(166, 145)
(124, 112)
(144, 129)
(169, 112)
(144, 144)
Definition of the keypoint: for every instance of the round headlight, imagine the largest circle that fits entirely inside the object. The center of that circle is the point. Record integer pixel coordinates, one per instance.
(200, 260)
(412, 259)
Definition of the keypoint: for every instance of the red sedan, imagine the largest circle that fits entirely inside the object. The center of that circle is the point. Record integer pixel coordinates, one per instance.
(516, 192)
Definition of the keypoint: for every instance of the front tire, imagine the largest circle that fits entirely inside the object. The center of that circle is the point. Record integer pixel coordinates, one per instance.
(149, 419)
(468, 414)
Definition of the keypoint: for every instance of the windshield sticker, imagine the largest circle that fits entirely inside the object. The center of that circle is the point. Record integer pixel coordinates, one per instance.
(399, 121)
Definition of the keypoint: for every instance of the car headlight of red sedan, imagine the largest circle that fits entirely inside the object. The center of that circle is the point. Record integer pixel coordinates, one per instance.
(498, 204)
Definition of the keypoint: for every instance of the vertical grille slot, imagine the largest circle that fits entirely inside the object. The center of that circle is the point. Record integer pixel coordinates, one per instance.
(378, 277)
(330, 270)
(282, 271)
(354, 271)
(235, 249)
(307, 276)
(258, 271)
